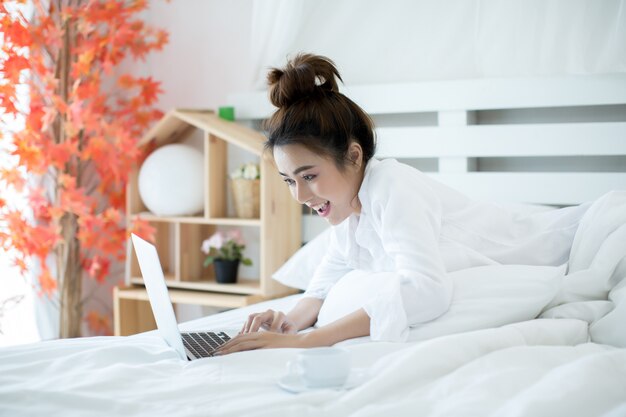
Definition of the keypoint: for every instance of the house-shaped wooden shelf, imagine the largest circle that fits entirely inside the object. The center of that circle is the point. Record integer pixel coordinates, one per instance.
(279, 222)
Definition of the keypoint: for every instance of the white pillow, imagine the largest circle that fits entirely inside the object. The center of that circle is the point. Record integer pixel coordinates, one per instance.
(299, 269)
(484, 297)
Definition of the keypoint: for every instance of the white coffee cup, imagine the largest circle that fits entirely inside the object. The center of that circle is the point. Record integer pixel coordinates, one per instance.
(321, 367)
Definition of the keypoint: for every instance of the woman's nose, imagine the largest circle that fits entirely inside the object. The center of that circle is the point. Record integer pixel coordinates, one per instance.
(302, 194)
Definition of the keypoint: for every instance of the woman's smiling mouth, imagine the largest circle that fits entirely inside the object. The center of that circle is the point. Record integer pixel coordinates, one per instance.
(322, 209)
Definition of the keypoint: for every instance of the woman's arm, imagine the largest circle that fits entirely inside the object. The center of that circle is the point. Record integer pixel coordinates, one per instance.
(408, 216)
(353, 325)
(332, 267)
(304, 314)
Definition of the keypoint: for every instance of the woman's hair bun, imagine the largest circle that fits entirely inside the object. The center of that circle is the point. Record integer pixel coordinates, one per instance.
(304, 76)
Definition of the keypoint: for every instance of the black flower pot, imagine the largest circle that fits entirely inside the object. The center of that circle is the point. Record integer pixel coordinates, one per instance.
(226, 271)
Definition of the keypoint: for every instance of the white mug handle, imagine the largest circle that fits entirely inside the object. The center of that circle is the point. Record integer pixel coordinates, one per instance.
(293, 367)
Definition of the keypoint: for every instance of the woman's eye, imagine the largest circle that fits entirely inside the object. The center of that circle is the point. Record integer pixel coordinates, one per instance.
(289, 182)
(308, 177)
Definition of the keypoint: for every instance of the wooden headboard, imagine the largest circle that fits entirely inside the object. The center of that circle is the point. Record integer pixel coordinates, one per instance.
(553, 141)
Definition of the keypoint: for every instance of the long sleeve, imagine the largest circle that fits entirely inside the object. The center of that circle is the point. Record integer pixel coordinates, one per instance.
(333, 266)
(407, 214)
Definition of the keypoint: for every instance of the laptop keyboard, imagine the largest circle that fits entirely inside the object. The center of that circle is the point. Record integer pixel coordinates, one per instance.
(203, 344)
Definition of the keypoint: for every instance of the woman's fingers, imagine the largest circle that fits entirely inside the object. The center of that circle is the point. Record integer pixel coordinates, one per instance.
(257, 320)
(238, 347)
(274, 321)
(289, 327)
(240, 343)
(260, 340)
(246, 325)
(277, 322)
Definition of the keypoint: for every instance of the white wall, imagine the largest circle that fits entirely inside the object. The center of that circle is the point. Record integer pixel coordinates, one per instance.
(207, 53)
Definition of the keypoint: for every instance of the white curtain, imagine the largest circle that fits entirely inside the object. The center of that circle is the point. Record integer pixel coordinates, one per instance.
(396, 41)
(275, 25)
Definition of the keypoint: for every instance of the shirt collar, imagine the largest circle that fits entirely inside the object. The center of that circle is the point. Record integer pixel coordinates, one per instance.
(364, 184)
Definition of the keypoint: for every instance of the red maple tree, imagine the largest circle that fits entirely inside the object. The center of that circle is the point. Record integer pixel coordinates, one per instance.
(81, 123)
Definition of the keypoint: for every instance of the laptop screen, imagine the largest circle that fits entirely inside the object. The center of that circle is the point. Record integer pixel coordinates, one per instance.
(157, 293)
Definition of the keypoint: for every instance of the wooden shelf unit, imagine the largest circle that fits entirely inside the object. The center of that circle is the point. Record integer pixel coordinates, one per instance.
(133, 313)
(178, 239)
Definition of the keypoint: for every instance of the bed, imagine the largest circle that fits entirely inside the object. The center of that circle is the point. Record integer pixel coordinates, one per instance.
(517, 341)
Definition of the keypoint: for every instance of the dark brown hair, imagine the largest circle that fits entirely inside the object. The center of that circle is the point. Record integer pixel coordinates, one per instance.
(313, 113)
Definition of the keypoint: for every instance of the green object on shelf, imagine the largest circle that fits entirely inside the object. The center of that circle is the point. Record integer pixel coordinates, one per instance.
(227, 113)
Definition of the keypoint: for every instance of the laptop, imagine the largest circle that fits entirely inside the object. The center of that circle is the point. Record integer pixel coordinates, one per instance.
(188, 345)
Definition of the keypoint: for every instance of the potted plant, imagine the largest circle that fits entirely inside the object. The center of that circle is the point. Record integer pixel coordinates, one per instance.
(225, 251)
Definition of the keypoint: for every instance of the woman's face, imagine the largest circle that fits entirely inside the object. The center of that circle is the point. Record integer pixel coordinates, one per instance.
(317, 182)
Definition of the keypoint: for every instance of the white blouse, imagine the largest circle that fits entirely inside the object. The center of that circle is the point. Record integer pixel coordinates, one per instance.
(413, 230)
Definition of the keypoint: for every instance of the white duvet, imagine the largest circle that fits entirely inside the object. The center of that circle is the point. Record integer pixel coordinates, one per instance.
(569, 362)
(535, 368)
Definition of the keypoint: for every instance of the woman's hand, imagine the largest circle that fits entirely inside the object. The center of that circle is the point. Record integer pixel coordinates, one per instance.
(262, 340)
(274, 321)
(355, 324)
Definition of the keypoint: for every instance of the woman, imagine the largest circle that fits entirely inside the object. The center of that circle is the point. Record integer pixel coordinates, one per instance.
(390, 221)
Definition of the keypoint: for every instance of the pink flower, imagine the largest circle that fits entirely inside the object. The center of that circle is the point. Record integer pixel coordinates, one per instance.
(219, 239)
(216, 241)
(235, 235)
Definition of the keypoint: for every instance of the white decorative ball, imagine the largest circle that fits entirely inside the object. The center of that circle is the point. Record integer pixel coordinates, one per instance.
(171, 181)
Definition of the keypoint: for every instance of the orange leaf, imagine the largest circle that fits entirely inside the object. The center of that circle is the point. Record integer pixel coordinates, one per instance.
(98, 324)
(47, 282)
(40, 205)
(7, 98)
(84, 90)
(150, 89)
(143, 229)
(41, 240)
(83, 65)
(60, 154)
(21, 264)
(162, 37)
(75, 201)
(126, 81)
(13, 66)
(97, 268)
(15, 32)
(117, 199)
(112, 215)
(66, 181)
(30, 155)
(50, 113)
(13, 177)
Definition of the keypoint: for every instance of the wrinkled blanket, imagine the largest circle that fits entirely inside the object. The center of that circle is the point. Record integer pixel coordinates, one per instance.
(570, 361)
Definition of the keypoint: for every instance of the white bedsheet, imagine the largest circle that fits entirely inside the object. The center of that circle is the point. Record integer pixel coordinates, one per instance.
(570, 363)
(535, 368)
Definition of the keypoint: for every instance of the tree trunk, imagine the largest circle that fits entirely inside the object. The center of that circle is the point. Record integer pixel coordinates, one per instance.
(69, 266)
(71, 306)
